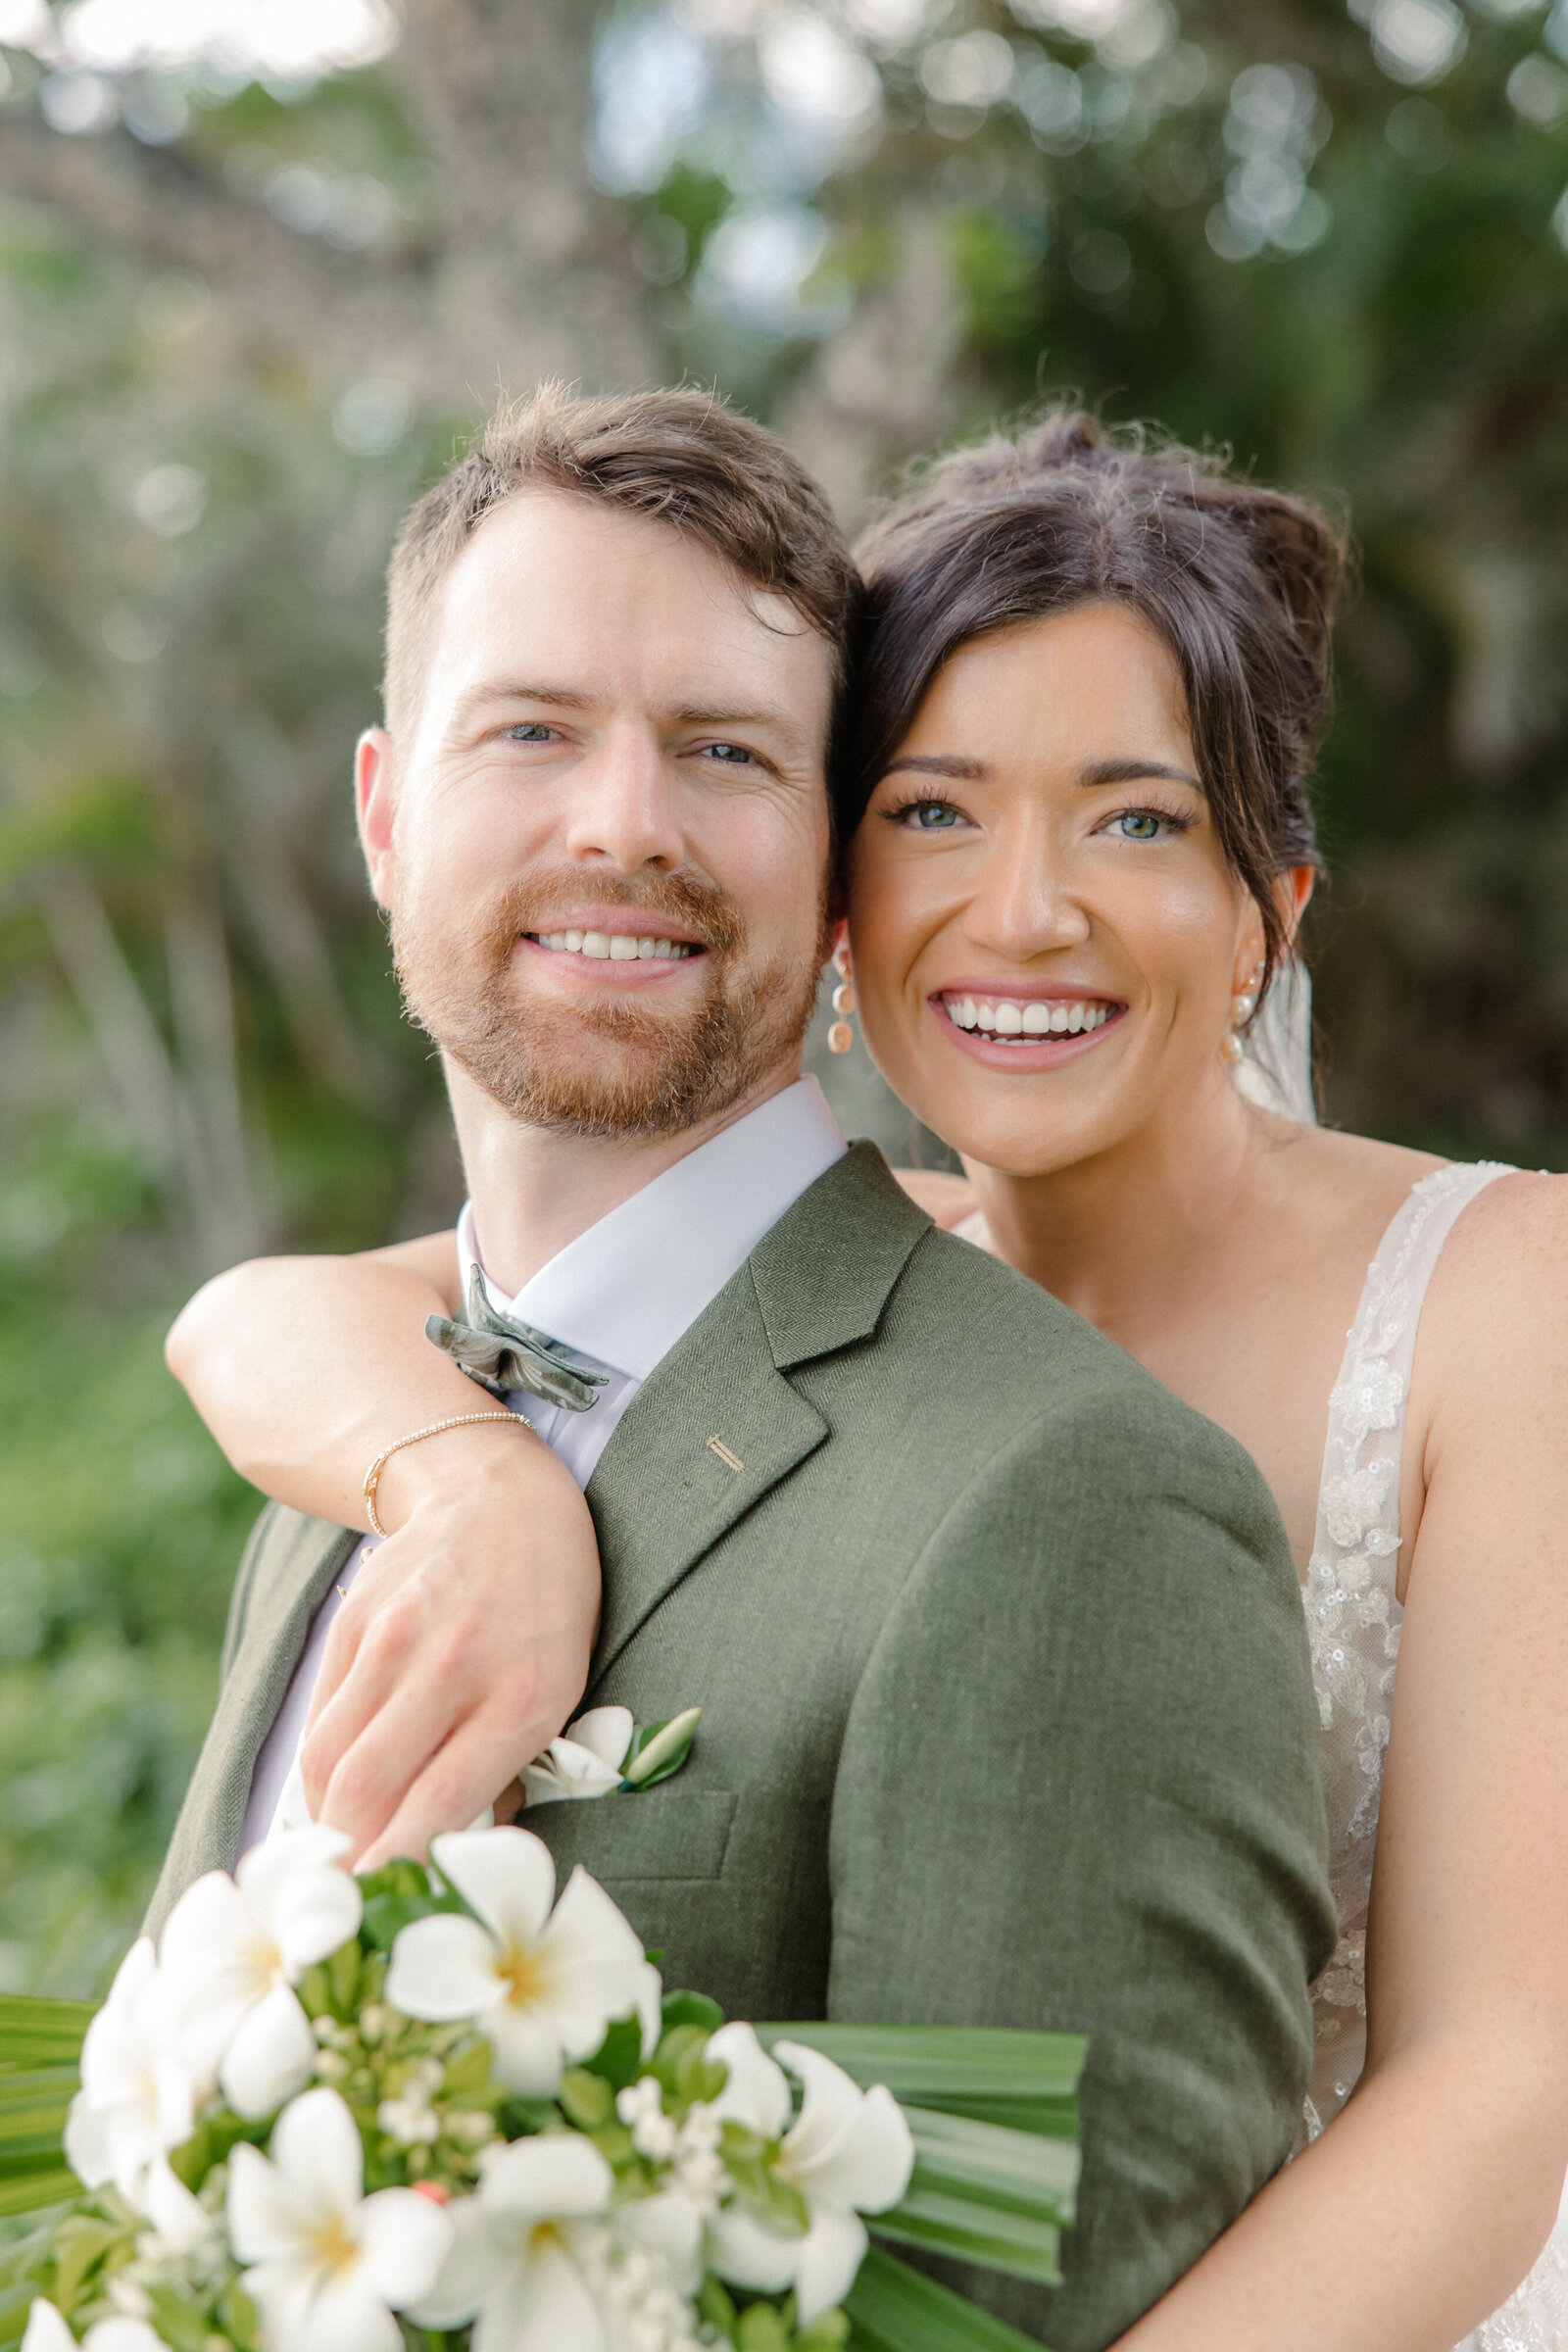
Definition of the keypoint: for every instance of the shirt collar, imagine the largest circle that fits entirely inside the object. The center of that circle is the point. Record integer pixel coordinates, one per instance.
(625, 1290)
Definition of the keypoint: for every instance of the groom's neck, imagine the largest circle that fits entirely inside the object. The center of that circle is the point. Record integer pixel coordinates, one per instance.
(534, 1191)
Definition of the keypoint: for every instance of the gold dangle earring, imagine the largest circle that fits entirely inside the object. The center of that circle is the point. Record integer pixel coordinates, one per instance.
(1242, 1006)
(841, 1037)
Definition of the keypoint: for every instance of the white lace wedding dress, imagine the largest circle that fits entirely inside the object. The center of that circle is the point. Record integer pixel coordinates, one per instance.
(1353, 1621)
(1353, 1624)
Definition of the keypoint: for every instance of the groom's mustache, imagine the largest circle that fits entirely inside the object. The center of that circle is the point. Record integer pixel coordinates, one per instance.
(691, 903)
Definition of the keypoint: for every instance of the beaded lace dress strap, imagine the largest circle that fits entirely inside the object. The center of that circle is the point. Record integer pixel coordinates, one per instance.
(1352, 1615)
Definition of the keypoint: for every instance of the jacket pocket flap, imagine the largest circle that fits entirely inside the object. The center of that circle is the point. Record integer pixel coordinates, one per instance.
(666, 1834)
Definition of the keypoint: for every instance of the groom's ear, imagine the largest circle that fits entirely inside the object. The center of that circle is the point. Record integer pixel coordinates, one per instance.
(372, 808)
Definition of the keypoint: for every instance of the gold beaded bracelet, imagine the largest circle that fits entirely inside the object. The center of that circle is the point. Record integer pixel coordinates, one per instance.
(372, 1476)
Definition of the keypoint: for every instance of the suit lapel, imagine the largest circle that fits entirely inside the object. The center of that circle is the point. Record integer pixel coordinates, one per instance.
(289, 1571)
(718, 1424)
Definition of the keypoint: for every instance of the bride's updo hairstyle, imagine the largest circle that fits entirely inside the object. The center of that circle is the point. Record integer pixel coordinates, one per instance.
(1238, 582)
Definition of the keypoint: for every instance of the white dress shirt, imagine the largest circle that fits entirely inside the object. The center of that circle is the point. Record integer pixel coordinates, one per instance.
(619, 1296)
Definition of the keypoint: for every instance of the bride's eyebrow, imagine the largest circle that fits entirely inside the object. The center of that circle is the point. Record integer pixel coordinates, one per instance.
(1135, 771)
(940, 763)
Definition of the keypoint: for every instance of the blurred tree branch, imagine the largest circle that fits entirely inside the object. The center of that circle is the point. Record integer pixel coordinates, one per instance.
(526, 274)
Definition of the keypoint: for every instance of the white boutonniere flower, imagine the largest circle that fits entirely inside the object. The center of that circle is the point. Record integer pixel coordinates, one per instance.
(605, 1752)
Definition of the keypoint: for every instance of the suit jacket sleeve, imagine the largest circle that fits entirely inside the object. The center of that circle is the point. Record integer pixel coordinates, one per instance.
(1080, 1789)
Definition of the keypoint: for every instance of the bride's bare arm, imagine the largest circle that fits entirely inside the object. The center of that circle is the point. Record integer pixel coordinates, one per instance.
(464, 1645)
(1428, 2198)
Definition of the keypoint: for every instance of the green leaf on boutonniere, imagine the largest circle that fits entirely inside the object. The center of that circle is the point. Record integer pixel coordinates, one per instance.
(660, 1749)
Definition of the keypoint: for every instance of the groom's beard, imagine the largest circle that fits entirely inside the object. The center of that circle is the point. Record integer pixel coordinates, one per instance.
(617, 1068)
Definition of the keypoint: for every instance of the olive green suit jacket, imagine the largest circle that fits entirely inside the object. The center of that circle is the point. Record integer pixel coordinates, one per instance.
(1007, 1709)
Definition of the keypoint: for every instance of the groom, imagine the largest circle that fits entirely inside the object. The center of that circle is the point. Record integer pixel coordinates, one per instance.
(1006, 1716)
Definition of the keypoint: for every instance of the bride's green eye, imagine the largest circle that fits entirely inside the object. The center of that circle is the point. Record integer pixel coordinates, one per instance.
(930, 816)
(1138, 824)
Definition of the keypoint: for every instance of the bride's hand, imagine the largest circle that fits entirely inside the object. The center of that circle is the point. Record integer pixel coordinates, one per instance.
(463, 1646)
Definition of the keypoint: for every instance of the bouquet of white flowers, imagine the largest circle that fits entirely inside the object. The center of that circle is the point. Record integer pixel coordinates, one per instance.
(445, 2109)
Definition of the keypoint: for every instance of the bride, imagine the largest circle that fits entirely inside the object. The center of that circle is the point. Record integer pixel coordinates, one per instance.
(1078, 846)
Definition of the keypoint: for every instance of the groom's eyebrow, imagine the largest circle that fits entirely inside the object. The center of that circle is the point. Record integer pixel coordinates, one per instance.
(515, 690)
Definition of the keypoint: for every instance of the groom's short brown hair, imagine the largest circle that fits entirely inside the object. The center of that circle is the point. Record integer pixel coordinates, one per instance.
(682, 458)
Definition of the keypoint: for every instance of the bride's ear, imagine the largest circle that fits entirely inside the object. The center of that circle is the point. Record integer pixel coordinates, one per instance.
(1293, 891)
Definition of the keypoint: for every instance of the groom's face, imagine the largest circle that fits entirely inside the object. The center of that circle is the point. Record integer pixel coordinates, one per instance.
(605, 846)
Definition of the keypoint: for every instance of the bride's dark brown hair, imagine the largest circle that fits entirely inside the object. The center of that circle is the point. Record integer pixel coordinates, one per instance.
(1238, 582)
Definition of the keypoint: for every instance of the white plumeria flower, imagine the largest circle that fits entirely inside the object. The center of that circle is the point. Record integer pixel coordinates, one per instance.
(542, 1984)
(232, 1951)
(137, 2097)
(849, 2152)
(47, 2332)
(586, 1760)
(329, 2265)
(512, 2268)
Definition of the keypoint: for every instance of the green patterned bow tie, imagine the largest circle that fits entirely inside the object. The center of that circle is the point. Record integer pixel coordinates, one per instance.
(502, 1354)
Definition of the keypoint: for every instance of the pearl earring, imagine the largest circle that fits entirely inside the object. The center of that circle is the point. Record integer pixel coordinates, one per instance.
(841, 1037)
(1242, 1006)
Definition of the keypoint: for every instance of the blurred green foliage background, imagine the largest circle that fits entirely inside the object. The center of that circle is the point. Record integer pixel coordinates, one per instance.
(263, 266)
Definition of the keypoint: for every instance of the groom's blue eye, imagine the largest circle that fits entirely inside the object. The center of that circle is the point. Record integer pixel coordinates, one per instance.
(532, 730)
(734, 755)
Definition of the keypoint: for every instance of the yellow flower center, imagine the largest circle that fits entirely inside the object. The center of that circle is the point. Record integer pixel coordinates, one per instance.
(333, 2246)
(523, 1975)
(266, 1962)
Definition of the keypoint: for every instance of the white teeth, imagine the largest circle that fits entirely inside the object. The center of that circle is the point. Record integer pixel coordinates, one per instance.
(615, 946)
(1013, 1017)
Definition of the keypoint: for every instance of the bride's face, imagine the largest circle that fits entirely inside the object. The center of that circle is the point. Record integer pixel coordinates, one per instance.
(1044, 931)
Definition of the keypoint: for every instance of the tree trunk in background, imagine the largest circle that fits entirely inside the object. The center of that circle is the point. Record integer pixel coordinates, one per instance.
(525, 275)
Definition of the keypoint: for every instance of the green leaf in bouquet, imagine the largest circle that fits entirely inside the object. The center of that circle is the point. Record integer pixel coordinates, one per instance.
(748, 2160)
(33, 2103)
(682, 2065)
(519, 2119)
(715, 2306)
(618, 2059)
(212, 2143)
(35, 2031)
(761, 2327)
(893, 2308)
(828, 2333)
(690, 2009)
(183, 2325)
(404, 1876)
(468, 2080)
(387, 1915)
(1025, 2082)
(238, 2318)
(586, 2099)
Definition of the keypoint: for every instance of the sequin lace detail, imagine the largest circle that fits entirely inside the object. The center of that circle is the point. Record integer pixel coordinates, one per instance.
(1353, 1622)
